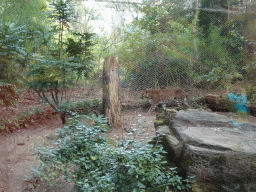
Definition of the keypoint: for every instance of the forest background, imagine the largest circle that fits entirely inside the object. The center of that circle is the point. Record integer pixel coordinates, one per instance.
(51, 45)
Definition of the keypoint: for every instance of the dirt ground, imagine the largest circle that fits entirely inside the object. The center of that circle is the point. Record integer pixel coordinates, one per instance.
(15, 156)
(16, 147)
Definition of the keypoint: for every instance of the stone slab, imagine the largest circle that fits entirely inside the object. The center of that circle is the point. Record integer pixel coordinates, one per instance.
(217, 150)
(221, 139)
(202, 117)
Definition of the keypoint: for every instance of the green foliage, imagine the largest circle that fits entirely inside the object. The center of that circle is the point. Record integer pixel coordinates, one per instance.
(217, 58)
(20, 28)
(23, 13)
(38, 110)
(95, 102)
(220, 44)
(59, 63)
(34, 47)
(82, 46)
(218, 73)
(99, 121)
(207, 18)
(83, 155)
(171, 46)
(250, 92)
(12, 53)
(158, 59)
(81, 107)
(158, 49)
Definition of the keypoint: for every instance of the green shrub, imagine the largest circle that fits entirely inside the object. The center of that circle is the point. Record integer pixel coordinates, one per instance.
(83, 155)
(82, 107)
(85, 104)
(95, 102)
(66, 106)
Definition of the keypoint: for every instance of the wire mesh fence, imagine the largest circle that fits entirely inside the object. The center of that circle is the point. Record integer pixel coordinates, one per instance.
(201, 46)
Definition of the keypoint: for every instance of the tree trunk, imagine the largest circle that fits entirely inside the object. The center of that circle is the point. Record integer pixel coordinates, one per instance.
(197, 66)
(63, 118)
(111, 91)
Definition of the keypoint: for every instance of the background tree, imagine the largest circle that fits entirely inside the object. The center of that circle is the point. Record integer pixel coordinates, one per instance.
(55, 69)
(157, 50)
(220, 50)
(19, 28)
(179, 46)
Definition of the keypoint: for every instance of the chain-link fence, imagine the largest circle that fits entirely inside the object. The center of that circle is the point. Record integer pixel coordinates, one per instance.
(202, 46)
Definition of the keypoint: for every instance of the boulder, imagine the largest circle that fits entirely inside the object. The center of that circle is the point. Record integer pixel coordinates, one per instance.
(209, 146)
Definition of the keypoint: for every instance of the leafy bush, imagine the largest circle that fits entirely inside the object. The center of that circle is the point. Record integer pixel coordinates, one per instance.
(95, 102)
(83, 107)
(85, 104)
(83, 155)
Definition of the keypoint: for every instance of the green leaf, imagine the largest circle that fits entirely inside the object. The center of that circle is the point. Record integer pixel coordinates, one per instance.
(2, 127)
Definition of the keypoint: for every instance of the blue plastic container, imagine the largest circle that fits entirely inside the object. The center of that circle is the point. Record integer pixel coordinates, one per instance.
(240, 102)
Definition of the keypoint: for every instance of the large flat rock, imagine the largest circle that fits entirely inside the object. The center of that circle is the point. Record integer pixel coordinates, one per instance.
(217, 151)
(202, 117)
(222, 139)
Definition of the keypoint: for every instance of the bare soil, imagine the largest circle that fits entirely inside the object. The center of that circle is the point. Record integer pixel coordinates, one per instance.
(15, 149)
(16, 146)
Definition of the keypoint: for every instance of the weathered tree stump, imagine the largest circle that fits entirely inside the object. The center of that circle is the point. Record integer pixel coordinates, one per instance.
(111, 91)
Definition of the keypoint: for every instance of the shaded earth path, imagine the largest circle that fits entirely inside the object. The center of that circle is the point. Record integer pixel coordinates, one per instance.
(15, 158)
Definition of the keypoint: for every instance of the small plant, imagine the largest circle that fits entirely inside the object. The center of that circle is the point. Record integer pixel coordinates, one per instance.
(25, 112)
(145, 101)
(82, 107)
(98, 121)
(51, 136)
(37, 110)
(86, 104)
(112, 142)
(83, 155)
(95, 102)
(241, 115)
(66, 106)
(2, 127)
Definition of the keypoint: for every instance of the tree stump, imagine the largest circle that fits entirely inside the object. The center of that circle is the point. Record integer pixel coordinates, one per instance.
(111, 91)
